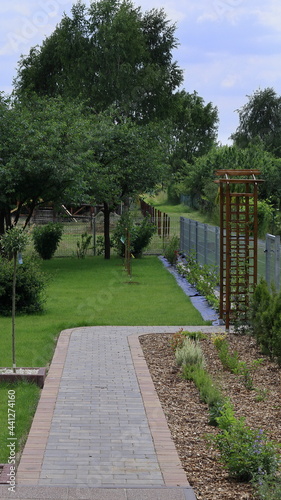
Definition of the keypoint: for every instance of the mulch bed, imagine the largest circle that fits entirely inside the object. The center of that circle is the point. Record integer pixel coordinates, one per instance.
(188, 417)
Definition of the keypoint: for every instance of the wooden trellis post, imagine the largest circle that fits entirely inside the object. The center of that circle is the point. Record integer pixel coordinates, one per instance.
(238, 241)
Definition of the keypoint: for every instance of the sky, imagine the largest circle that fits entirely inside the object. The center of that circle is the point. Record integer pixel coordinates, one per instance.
(228, 49)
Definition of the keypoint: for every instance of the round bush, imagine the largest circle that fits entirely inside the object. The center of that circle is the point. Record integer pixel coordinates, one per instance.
(30, 285)
(46, 239)
(141, 233)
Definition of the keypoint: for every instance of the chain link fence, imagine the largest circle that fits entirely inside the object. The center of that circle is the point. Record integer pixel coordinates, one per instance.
(75, 227)
(203, 242)
(200, 240)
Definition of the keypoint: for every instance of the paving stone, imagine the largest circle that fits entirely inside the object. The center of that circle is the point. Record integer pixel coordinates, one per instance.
(99, 375)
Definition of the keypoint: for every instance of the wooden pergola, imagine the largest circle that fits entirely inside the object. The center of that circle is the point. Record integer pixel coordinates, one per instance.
(238, 241)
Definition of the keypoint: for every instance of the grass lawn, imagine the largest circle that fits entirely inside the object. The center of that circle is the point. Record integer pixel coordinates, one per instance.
(175, 211)
(89, 292)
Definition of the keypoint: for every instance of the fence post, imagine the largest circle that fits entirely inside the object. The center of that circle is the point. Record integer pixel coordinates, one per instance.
(277, 261)
(196, 241)
(181, 234)
(267, 259)
(94, 236)
(217, 257)
(205, 243)
(159, 223)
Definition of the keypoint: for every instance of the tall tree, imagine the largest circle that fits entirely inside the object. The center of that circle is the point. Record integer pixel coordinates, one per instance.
(260, 121)
(108, 54)
(194, 128)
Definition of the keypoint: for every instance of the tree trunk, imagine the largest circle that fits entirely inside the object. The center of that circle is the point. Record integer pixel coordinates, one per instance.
(2, 221)
(14, 311)
(106, 212)
(5, 219)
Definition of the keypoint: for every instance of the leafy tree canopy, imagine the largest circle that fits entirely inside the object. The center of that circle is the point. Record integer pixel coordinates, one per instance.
(194, 128)
(41, 151)
(122, 160)
(108, 54)
(260, 122)
(199, 177)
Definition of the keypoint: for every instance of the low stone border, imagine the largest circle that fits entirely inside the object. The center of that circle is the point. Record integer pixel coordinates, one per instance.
(38, 378)
(4, 471)
(169, 461)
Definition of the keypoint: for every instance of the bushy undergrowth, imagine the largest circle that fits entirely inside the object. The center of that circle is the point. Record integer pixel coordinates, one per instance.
(231, 362)
(178, 338)
(190, 353)
(265, 320)
(140, 234)
(83, 245)
(190, 356)
(171, 250)
(46, 239)
(30, 286)
(268, 487)
(204, 278)
(246, 453)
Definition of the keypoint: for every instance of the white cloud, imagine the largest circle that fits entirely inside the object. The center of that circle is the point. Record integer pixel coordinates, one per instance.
(270, 16)
(230, 81)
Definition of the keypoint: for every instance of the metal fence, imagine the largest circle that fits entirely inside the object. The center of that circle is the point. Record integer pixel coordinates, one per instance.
(93, 225)
(203, 242)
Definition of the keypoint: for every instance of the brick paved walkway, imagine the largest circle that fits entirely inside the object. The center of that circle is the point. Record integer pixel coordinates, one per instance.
(99, 423)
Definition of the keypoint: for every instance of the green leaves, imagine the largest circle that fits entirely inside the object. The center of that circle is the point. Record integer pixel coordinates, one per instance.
(13, 241)
(43, 161)
(260, 121)
(107, 54)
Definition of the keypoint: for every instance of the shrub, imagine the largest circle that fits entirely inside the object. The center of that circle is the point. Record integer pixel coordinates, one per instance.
(140, 234)
(227, 416)
(189, 354)
(177, 339)
(265, 320)
(209, 392)
(204, 278)
(171, 250)
(83, 245)
(46, 239)
(215, 411)
(30, 285)
(245, 452)
(229, 361)
(268, 487)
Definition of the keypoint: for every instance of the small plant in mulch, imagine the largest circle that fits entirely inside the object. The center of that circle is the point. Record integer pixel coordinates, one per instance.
(190, 357)
(190, 353)
(246, 453)
(178, 338)
(231, 362)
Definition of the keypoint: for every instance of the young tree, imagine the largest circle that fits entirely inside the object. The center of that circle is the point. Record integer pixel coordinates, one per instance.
(260, 121)
(108, 54)
(124, 159)
(13, 242)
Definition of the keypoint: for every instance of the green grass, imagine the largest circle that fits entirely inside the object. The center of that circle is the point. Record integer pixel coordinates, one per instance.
(175, 211)
(88, 292)
(22, 408)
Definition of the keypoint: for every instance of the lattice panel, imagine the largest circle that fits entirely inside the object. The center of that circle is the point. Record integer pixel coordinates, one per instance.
(238, 244)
